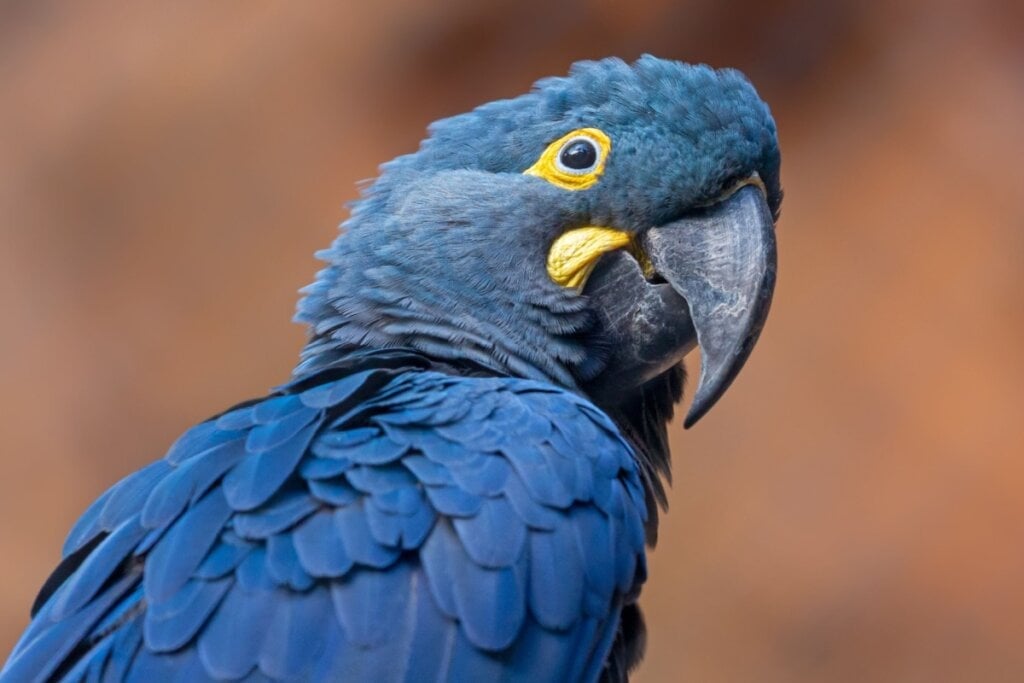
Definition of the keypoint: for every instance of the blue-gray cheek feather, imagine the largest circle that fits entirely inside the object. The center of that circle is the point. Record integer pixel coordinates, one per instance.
(458, 279)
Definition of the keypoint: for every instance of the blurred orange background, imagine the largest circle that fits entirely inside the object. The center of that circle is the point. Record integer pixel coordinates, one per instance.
(852, 510)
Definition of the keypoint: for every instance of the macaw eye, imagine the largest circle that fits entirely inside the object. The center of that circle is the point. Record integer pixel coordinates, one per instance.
(577, 155)
(574, 161)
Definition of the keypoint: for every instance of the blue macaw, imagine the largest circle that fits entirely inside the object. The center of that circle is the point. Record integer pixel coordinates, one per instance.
(459, 480)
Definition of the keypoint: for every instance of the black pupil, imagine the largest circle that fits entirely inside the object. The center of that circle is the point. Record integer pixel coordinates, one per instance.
(578, 155)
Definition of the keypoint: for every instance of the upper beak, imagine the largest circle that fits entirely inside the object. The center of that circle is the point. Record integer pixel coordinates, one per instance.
(718, 272)
(722, 262)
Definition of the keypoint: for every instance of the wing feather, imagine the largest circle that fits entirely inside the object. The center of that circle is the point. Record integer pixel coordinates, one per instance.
(376, 525)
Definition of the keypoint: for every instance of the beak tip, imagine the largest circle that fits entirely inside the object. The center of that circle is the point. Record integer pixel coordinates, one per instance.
(702, 403)
(718, 370)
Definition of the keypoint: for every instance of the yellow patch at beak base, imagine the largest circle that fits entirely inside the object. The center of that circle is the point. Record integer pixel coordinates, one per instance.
(575, 253)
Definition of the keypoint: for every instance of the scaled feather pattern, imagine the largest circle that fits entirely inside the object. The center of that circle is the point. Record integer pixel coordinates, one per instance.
(360, 524)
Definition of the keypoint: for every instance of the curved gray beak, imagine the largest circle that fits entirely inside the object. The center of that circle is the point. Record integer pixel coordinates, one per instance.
(717, 271)
(722, 262)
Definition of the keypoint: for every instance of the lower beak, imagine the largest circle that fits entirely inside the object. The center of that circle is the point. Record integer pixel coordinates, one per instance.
(722, 262)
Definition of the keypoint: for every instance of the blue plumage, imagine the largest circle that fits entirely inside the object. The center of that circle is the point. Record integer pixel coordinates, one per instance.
(449, 488)
(282, 512)
(172, 624)
(96, 569)
(246, 589)
(177, 555)
(493, 537)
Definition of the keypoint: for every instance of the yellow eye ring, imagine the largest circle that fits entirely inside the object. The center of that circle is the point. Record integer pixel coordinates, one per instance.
(574, 161)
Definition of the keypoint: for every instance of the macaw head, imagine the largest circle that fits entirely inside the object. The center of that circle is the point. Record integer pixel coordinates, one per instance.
(589, 233)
